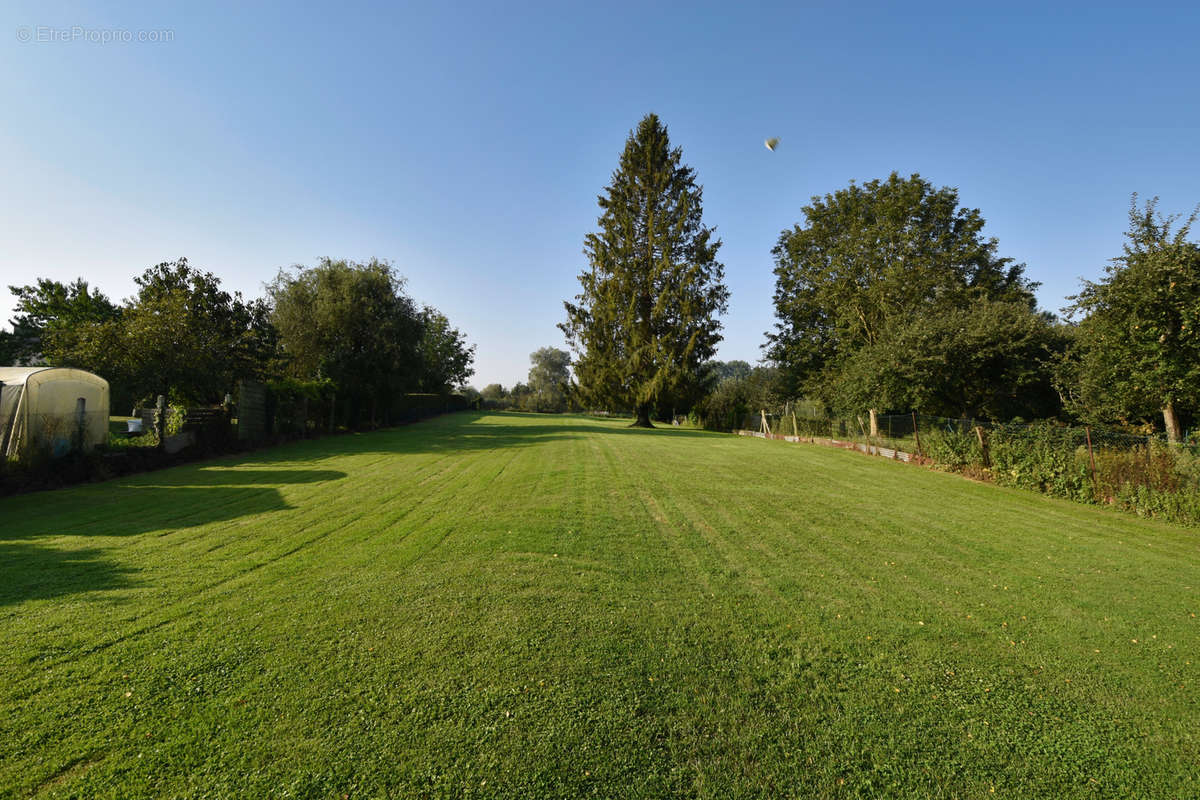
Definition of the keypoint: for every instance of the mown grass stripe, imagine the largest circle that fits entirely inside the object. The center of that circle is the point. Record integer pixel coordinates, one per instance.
(510, 605)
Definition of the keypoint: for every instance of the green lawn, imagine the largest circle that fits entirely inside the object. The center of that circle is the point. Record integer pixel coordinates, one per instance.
(533, 606)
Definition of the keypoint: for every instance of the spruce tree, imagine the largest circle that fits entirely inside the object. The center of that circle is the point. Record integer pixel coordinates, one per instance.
(646, 319)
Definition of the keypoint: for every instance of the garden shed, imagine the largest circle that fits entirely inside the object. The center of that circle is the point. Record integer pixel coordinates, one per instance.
(53, 409)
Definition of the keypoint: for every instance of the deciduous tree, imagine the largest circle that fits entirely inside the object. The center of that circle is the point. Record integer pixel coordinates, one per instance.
(188, 337)
(495, 396)
(550, 378)
(445, 356)
(181, 335)
(48, 306)
(869, 262)
(1138, 344)
(352, 323)
(989, 359)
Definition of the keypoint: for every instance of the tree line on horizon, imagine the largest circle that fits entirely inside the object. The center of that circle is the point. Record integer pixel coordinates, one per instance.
(888, 297)
(340, 328)
(547, 389)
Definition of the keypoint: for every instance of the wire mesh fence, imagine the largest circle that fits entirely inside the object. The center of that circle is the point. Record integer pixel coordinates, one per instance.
(1140, 473)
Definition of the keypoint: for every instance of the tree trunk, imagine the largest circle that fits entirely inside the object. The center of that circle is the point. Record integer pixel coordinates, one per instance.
(874, 422)
(1171, 422)
(643, 417)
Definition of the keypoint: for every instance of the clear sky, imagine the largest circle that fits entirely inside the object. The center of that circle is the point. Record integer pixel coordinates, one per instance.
(467, 142)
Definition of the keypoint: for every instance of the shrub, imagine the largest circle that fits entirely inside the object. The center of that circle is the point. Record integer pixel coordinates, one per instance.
(1045, 458)
(955, 447)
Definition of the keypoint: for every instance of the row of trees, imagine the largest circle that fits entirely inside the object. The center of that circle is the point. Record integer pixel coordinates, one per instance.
(888, 296)
(736, 389)
(549, 387)
(183, 336)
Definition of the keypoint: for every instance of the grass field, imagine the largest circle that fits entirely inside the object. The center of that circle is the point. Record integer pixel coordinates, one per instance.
(531, 606)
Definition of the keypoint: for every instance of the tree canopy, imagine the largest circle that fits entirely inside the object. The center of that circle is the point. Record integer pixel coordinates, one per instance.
(877, 292)
(1137, 349)
(550, 378)
(494, 395)
(351, 323)
(46, 307)
(445, 356)
(181, 336)
(734, 390)
(192, 338)
(989, 359)
(346, 327)
(646, 318)
(354, 323)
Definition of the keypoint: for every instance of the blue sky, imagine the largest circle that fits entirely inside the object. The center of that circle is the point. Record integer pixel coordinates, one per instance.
(466, 142)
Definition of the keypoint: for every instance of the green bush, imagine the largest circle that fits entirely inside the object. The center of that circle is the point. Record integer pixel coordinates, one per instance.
(297, 407)
(1044, 458)
(176, 414)
(953, 447)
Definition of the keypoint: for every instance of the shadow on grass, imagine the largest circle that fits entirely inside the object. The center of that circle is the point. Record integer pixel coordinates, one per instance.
(172, 500)
(208, 475)
(188, 496)
(183, 497)
(32, 572)
(471, 431)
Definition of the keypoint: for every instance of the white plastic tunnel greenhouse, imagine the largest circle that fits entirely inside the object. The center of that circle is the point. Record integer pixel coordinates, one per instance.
(51, 410)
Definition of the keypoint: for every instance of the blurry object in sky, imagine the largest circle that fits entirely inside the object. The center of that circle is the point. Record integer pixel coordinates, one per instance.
(772, 143)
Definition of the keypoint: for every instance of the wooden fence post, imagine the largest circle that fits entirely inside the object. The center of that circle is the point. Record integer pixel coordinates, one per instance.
(917, 435)
(160, 421)
(8, 425)
(983, 446)
(1149, 464)
(227, 416)
(1087, 432)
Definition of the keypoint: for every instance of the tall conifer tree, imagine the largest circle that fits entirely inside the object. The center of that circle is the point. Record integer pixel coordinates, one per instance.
(646, 319)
